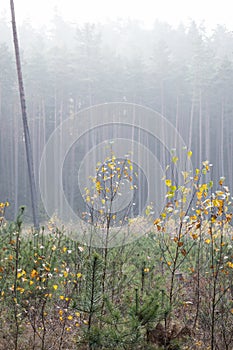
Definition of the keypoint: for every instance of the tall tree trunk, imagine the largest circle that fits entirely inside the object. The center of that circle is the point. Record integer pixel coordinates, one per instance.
(221, 153)
(191, 124)
(200, 129)
(25, 122)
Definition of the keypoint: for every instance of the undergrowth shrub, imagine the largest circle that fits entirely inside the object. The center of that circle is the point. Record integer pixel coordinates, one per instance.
(170, 289)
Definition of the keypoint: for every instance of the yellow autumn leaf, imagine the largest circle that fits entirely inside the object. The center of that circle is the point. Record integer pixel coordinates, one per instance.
(230, 264)
(157, 221)
(21, 273)
(175, 159)
(111, 166)
(34, 273)
(199, 195)
(189, 154)
(168, 182)
(98, 186)
(203, 187)
(221, 181)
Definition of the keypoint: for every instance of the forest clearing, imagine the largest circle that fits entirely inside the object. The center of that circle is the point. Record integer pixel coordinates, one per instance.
(116, 163)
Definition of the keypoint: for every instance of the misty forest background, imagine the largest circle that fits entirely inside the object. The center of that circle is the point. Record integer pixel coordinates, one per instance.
(185, 73)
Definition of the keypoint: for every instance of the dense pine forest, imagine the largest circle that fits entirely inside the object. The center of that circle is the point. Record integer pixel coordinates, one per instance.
(184, 73)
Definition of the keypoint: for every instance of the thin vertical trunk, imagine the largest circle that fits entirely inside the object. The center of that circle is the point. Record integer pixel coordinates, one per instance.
(207, 133)
(25, 122)
(221, 163)
(162, 110)
(200, 129)
(16, 160)
(191, 125)
(177, 115)
(228, 151)
(44, 140)
(60, 156)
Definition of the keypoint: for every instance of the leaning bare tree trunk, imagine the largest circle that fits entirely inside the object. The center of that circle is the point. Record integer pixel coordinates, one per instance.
(25, 123)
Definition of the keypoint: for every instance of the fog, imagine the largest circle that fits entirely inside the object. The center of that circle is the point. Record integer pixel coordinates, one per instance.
(182, 71)
(42, 13)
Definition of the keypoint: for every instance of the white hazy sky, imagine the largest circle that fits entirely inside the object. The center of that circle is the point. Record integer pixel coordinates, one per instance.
(40, 12)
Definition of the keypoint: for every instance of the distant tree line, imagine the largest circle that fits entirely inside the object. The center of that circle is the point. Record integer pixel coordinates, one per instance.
(184, 73)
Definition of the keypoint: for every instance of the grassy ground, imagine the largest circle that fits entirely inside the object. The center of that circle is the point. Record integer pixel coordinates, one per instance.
(58, 294)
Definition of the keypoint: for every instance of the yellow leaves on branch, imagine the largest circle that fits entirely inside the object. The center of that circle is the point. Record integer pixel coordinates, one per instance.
(174, 159)
(2, 209)
(21, 274)
(65, 274)
(230, 264)
(157, 224)
(112, 165)
(3, 205)
(206, 166)
(199, 195)
(221, 181)
(218, 203)
(172, 188)
(98, 186)
(34, 273)
(189, 154)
